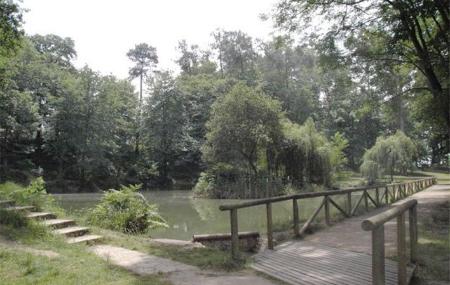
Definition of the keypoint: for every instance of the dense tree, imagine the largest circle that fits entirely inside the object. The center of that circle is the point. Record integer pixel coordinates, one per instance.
(236, 55)
(290, 74)
(10, 26)
(244, 123)
(411, 32)
(166, 136)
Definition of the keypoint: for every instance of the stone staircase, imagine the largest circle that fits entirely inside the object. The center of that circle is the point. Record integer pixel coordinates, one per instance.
(74, 234)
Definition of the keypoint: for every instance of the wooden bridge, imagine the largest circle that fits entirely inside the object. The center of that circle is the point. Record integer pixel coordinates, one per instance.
(350, 252)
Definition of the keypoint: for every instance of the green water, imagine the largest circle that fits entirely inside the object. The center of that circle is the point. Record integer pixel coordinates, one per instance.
(187, 215)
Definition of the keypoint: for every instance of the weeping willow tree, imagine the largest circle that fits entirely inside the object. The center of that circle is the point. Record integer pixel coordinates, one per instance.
(390, 154)
(307, 156)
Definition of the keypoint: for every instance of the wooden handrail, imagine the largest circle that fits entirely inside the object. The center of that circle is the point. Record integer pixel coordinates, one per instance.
(299, 196)
(390, 192)
(376, 225)
(373, 222)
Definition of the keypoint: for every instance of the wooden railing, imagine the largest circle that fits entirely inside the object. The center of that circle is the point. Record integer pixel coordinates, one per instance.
(384, 194)
(376, 225)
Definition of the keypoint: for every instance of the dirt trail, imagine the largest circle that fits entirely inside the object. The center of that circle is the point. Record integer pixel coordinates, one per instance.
(177, 273)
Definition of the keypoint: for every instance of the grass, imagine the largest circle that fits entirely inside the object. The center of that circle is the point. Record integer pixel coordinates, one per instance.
(434, 246)
(74, 265)
(20, 264)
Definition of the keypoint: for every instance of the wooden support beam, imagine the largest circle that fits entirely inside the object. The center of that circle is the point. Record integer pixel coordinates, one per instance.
(269, 226)
(372, 200)
(338, 207)
(349, 204)
(296, 217)
(234, 234)
(401, 249)
(327, 211)
(378, 271)
(366, 201)
(413, 233)
(377, 197)
(311, 218)
(386, 195)
(357, 205)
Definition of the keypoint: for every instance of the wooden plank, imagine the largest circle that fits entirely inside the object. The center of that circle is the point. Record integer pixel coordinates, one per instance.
(320, 274)
(328, 266)
(311, 263)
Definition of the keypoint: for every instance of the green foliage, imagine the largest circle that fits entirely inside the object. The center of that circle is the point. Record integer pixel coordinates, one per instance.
(307, 154)
(243, 121)
(389, 154)
(165, 126)
(10, 26)
(34, 194)
(126, 210)
(338, 145)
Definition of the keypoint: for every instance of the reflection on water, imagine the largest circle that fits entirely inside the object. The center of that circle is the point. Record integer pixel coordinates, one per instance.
(187, 215)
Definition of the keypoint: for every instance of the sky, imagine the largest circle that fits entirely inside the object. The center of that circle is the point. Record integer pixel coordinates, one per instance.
(104, 30)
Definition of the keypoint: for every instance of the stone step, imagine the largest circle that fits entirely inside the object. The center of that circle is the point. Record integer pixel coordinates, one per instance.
(20, 208)
(41, 215)
(72, 231)
(88, 239)
(6, 203)
(58, 223)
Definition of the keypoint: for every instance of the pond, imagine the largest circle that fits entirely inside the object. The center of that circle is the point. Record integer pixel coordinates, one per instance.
(187, 215)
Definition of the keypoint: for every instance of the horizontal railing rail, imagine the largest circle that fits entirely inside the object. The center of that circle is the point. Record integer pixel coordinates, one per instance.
(384, 194)
(376, 225)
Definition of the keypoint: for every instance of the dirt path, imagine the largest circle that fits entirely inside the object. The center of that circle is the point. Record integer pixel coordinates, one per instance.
(16, 246)
(177, 273)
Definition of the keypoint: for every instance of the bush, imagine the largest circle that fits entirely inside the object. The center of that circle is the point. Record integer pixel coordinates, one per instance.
(127, 211)
(35, 194)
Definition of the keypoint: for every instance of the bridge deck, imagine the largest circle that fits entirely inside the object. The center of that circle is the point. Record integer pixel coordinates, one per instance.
(311, 263)
(339, 254)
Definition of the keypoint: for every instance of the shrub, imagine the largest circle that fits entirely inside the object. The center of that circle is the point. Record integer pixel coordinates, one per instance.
(126, 210)
(35, 194)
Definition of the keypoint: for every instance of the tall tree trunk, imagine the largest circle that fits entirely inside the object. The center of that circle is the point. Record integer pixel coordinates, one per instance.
(138, 131)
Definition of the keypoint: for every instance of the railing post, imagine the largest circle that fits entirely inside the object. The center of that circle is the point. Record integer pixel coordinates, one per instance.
(269, 226)
(401, 248)
(234, 234)
(377, 196)
(296, 218)
(413, 232)
(386, 195)
(366, 201)
(349, 203)
(327, 211)
(378, 273)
